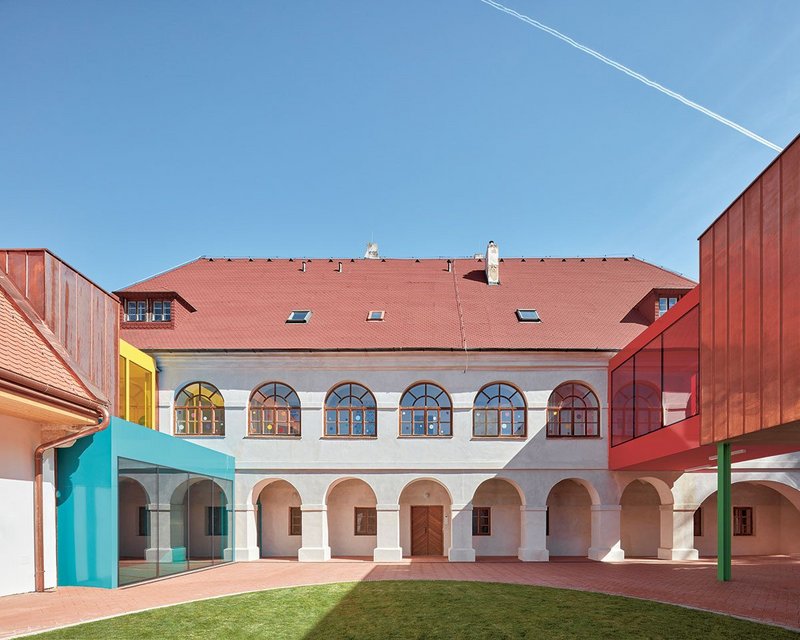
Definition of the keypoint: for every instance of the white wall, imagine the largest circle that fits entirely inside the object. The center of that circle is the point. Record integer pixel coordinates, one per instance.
(776, 523)
(342, 501)
(504, 501)
(640, 520)
(570, 516)
(19, 440)
(276, 499)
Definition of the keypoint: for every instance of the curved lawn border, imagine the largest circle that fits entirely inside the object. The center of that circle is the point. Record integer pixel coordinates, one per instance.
(356, 582)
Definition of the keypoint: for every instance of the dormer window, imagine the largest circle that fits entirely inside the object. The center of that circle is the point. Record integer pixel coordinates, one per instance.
(375, 316)
(299, 316)
(665, 304)
(528, 315)
(148, 311)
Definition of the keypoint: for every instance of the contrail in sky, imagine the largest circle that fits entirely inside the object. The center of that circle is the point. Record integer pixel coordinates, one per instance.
(633, 74)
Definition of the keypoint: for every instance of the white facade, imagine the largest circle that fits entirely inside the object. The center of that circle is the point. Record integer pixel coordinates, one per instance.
(592, 511)
(20, 439)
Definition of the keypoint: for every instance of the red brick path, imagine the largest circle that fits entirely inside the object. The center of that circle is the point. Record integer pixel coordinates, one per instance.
(764, 588)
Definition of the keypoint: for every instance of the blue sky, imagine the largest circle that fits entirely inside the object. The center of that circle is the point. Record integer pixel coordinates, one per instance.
(138, 135)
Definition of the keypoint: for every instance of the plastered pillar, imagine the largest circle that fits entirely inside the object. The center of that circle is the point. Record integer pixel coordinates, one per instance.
(606, 538)
(533, 534)
(461, 531)
(677, 533)
(388, 549)
(315, 534)
(246, 532)
(160, 533)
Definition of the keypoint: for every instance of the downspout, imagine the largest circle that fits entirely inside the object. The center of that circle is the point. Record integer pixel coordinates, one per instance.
(38, 491)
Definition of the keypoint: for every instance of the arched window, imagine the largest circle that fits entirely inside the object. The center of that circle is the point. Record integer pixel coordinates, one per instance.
(199, 411)
(274, 411)
(636, 411)
(425, 410)
(499, 411)
(350, 411)
(573, 411)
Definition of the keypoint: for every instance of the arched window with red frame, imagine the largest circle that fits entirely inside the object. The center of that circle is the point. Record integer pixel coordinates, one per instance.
(573, 412)
(499, 411)
(274, 410)
(426, 410)
(350, 410)
(199, 410)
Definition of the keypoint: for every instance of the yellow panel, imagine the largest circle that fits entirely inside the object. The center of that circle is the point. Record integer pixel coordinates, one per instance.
(140, 385)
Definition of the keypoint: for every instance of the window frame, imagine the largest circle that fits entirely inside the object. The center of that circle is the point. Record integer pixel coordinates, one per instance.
(143, 310)
(746, 528)
(216, 515)
(197, 409)
(263, 410)
(427, 410)
(498, 409)
(379, 318)
(479, 514)
(593, 410)
(370, 519)
(298, 522)
(305, 319)
(143, 524)
(349, 410)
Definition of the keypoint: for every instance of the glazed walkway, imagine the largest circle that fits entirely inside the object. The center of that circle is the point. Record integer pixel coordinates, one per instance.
(764, 588)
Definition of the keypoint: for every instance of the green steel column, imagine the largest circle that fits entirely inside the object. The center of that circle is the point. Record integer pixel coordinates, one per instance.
(724, 512)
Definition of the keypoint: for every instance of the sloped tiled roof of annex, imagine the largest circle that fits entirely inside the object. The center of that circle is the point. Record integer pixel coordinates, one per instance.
(243, 304)
(25, 351)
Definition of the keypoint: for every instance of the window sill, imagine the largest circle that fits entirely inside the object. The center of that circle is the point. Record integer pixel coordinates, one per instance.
(348, 437)
(495, 438)
(200, 435)
(574, 437)
(424, 437)
(256, 436)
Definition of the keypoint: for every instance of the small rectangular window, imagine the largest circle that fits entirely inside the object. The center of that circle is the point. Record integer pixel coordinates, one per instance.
(698, 522)
(136, 311)
(547, 521)
(528, 315)
(366, 521)
(295, 521)
(144, 521)
(481, 521)
(299, 316)
(666, 303)
(162, 311)
(216, 521)
(375, 316)
(743, 521)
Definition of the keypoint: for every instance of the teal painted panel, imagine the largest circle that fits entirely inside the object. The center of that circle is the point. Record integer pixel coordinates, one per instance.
(87, 496)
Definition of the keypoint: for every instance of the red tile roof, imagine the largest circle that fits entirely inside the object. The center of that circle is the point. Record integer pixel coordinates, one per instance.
(244, 304)
(24, 350)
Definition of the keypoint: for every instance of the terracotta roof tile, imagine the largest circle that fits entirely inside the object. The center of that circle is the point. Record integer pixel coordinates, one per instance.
(244, 304)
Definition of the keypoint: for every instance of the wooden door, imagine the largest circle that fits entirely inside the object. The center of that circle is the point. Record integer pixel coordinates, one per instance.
(427, 531)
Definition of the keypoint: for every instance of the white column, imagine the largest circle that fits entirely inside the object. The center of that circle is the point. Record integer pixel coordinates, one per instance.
(315, 534)
(677, 532)
(388, 549)
(461, 531)
(246, 532)
(606, 538)
(533, 534)
(160, 549)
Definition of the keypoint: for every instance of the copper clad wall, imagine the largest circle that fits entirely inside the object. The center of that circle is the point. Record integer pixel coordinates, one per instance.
(83, 317)
(750, 307)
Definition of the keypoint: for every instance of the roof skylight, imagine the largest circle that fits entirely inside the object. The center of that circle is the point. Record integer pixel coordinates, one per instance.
(376, 316)
(528, 315)
(299, 316)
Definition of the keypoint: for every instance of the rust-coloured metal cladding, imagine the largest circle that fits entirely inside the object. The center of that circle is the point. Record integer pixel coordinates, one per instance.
(750, 307)
(83, 317)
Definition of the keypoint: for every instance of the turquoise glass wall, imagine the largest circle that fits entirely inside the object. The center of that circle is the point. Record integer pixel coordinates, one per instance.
(88, 495)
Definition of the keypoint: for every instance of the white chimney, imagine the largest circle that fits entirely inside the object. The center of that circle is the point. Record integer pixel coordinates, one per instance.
(492, 264)
(372, 251)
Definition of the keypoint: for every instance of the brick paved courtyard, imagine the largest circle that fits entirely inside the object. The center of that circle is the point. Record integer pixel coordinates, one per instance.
(763, 588)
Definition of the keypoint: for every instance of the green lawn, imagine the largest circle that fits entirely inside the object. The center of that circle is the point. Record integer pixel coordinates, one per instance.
(429, 610)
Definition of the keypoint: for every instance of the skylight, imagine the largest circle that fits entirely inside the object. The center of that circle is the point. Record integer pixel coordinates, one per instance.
(528, 315)
(299, 316)
(375, 315)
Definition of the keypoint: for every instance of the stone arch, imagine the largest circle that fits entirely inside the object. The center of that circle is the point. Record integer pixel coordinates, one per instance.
(351, 505)
(663, 489)
(134, 518)
(278, 518)
(497, 518)
(642, 508)
(431, 495)
(569, 517)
